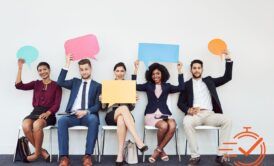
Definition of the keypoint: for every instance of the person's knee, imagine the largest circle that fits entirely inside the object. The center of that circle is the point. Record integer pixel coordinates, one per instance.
(120, 121)
(172, 125)
(27, 126)
(39, 125)
(63, 121)
(228, 121)
(124, 109)
(163, 127)
(188, 123)
(92, 119)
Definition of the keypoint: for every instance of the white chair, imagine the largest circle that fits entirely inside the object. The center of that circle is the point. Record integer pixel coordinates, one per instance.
(203, 127)
(152, 128)
(104, 129)
(49, 128)
(79, 128)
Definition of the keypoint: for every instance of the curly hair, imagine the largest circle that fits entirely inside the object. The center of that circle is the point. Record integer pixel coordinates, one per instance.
(164, 72)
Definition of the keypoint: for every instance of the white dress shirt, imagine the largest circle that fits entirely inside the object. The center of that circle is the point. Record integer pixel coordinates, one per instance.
(202, 97)
(78, 100)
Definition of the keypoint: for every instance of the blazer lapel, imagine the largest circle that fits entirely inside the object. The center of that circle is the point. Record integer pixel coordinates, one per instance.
(91, 91)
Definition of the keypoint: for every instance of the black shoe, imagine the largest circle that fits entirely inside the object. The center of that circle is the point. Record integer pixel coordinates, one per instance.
(223, 161)
(120, 163)
(143, 149)
(194, 161)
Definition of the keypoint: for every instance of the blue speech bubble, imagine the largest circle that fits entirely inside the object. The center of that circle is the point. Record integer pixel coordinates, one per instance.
(28, 53)
(151, 52)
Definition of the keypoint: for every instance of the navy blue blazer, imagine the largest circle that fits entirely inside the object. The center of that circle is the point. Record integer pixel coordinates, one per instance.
(185, 100)
(73, 85)
(153, 101)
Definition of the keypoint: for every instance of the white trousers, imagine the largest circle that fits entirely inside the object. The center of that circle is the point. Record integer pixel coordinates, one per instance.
(208, 118)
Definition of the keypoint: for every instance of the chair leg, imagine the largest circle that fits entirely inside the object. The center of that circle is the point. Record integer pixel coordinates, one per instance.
(98, 150)
(16, 145)
(218, 137)
(186, 148)
(103, 144)
(50, 142)
(144, 140)
(176, 145)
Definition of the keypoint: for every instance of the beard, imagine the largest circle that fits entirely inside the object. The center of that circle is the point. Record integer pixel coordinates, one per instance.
(197, 76)
(86, 77)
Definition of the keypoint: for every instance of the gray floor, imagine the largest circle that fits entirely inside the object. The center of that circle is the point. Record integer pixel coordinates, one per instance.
(206, 160)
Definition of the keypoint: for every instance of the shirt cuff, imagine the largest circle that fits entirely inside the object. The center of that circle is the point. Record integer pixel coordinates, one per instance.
(65, 68)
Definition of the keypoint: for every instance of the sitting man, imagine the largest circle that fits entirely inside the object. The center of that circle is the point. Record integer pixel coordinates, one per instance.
(82, 109)
(201, 104)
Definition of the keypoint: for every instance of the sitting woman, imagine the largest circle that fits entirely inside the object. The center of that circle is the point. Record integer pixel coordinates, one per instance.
(46, 102)
(120, 115)
(157, 112)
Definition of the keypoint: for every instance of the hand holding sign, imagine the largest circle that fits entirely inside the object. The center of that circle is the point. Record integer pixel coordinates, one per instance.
(82, 47)
(118, 91)
(151, 52)
(28, 53)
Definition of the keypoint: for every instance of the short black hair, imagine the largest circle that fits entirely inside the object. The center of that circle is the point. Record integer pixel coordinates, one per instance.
(120, 64)
(43, 64)
(196, 61)
(84, 61)
(161, 68)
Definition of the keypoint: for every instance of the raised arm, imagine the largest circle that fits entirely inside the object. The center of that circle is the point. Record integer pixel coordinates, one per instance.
(181, 86)
(228, 71)
(139, 87)
(62, 76)
(18, 82)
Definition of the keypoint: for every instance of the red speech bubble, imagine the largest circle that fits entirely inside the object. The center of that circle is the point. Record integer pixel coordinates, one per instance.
(82, 47)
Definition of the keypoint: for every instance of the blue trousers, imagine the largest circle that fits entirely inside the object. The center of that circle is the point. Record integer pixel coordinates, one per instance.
(89, 120)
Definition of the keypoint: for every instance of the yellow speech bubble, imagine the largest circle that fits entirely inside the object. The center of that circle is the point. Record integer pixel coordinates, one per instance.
(118, 91)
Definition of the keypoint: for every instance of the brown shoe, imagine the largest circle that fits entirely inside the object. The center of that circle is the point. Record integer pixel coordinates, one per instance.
(64, 161)
(87, 160)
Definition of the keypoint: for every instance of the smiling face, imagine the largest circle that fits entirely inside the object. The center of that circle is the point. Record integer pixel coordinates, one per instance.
(85, 71)
(197, 70)
(44, 72)
(157, 76)
(119, 73)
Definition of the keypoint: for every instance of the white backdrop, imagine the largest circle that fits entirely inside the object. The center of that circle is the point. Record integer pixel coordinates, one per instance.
(247, 26)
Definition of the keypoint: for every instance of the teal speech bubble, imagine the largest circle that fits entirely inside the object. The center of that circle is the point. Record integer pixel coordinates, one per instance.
(28, 53)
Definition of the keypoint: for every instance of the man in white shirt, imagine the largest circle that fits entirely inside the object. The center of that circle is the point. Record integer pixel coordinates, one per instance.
(201, 104)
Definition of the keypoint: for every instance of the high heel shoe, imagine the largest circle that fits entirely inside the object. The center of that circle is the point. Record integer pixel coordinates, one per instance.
(143, 149)
(119, 163)
(48, 158)
(155, 155)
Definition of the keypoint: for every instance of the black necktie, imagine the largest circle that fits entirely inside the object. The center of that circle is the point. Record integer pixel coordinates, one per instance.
(83, 103)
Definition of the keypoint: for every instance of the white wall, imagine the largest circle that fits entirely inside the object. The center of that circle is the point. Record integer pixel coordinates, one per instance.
(247, 26)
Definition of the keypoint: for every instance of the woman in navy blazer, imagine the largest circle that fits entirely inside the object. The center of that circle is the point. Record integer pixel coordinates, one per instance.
(157, 112)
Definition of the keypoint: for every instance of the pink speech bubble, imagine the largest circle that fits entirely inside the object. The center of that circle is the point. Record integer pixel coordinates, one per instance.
(82, 47)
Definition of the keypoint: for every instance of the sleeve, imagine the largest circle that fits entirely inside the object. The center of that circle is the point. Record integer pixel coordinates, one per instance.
(226, 77)
(180, 87)
(96, 107)
(57, 101)
(182, 102)
(61, 80)
(27, 86)
(139, 87)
